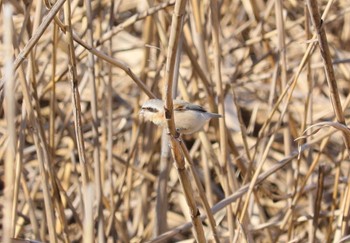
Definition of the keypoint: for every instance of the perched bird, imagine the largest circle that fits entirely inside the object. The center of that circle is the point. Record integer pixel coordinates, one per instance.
(189, 118)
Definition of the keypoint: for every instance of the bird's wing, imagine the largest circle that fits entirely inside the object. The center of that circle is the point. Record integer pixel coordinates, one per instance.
(180, 105)
(196, 108)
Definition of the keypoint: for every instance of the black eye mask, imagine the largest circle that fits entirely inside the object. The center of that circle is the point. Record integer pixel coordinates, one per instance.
(150, 109)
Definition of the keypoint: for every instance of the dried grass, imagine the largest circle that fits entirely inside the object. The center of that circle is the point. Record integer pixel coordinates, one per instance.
(77, 164)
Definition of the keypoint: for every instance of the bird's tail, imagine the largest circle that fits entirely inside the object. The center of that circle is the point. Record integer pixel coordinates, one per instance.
(215, 115)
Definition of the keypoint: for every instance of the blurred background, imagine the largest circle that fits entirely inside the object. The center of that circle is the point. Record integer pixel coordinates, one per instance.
(77, 164)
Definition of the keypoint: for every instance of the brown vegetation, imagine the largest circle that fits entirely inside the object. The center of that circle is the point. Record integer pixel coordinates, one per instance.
(77, 163)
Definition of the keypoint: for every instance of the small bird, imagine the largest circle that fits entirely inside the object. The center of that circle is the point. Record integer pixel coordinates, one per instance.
(189, 118)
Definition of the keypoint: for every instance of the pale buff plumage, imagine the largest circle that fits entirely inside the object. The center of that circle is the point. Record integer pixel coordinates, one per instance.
(189, 118)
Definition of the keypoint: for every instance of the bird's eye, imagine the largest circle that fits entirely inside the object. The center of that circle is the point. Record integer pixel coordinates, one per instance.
(151, 109)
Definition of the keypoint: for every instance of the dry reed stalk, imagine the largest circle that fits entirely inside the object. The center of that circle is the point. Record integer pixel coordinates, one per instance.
(96, 144)
(324, 143)
(76, 98)
(107, 140)
(225, 168)
(89, 214)
(174, 40)
(318, 201)
(328, 66)
(41, 147)
(9, 88)
(201, 191)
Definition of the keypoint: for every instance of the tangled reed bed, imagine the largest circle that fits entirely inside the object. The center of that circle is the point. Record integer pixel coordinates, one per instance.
(77, 163)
